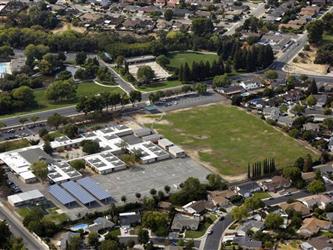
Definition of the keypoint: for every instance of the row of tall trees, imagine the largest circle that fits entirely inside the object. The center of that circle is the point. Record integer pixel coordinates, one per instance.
(260, 169)
(202, 70)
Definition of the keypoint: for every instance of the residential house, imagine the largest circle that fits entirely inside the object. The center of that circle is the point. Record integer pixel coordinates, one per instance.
(195, 207)
(251, 225)
(329, 216)
(181, 222)
(231, 90)
(326, 172)
(100, 223)
(278, 182)
(297, 206)
(309, 11)
(318, 243)
(311, 127)
(250, 85)
(129, 219)
(160, 3)
(285, 121)
(246, 189)
(247, 243)
(321, 100)
(320, 200)
(65, 238)
(312, 226)
(271, 113)
(220, 198)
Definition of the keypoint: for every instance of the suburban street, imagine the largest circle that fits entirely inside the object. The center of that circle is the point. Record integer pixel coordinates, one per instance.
(19, 230)
(213, 240)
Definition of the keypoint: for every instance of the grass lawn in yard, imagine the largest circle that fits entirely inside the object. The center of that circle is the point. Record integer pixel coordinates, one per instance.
(180, 58)
(84, 89)
(160, 85)
(328, 38)
(202, 228)
(23, 212)
(228, 138)
(55, 217)
(115, 232)
(12, 145)
(261, 195)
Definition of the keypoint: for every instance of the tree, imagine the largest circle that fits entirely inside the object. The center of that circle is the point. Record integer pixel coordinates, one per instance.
(162, 60)
(153, 191)
(316, 186)
(201, 88)
(24, 97)
(293, 173)
(71, 130)
(60, 91)
(313, 89)
(308, 163)
(138, 195)
(311, 100)
(253, 203)
(156, 221)
(145, 74)
(109, 245)
(273, 221)
(215, 182)
(120, 61)
(78, 164)
(130, 244)
(40, 169)
(299, 163)
(80, 58)
(167, 189)
(315, 31)
(328, 123)
(90, 147)
(47, 148)
(143, 236)
(135, 96)
(34, 119)
(271, 74)
(168, 14)
(202, 26)
(5, 235)
(93, 239)
(123, 198)
(239, 213)
(221, 81)
(56, 120)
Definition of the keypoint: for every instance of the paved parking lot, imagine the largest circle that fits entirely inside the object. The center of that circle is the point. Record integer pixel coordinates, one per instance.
(190, 100)
(157, 175)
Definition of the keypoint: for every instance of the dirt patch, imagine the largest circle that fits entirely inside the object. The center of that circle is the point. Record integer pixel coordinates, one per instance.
(200, 137)
(69, 26)
(144, 119)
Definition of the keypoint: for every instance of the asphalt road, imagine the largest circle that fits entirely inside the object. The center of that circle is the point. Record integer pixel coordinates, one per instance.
(257, 12)
(19, 230)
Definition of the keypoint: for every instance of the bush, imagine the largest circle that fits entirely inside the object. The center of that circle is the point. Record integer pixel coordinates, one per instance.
(78, 164)
(90, 147)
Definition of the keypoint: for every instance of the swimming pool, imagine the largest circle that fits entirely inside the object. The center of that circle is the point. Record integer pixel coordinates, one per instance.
(79, 227)
(4, 68)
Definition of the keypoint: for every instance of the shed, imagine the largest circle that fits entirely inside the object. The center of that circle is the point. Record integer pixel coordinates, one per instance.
(177, 151)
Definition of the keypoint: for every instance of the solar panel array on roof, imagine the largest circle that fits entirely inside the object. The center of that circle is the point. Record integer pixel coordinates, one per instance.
(78, 192)
(61, 195)
(95, 189)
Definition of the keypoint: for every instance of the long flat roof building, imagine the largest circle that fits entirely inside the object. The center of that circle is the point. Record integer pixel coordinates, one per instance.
(79, 193)
(62, 195)
(26, 198)
(96, 190)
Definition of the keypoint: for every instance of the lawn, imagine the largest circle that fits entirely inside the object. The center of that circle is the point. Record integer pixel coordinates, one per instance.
(84, 89)
(261, 195)
(180, 58)
(52, 215)
(12, 145)
(229, 138)
(202, 228)
(328, 38)
(160, 86)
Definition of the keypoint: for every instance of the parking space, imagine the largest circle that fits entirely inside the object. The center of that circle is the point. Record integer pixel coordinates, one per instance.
(25, 131)
(189, 100)
(142, 179)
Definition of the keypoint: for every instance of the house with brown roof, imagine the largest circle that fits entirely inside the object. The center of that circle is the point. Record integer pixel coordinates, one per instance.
(220, 198)
(312, 226)
(320, 200)
(297, 206)
(197, 207)
(278, 182)
(318, 243)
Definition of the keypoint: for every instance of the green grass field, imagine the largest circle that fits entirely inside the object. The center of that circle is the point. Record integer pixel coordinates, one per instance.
(228, 138)
(177, 59)
(160, 86)
(84, 89)
(12, 145)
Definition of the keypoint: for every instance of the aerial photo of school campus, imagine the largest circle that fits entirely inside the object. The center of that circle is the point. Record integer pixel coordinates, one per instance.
(166, 124)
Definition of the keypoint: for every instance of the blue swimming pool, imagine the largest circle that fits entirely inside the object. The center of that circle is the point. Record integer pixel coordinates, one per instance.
(4, 68)
(79, 227)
